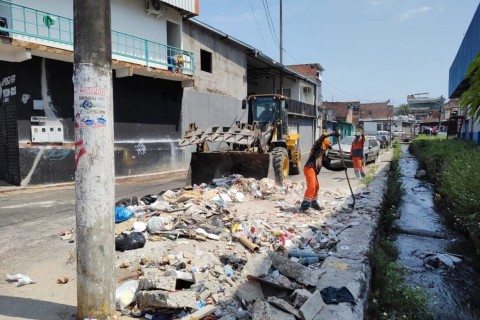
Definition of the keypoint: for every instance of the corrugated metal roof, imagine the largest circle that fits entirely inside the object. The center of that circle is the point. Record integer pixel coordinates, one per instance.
(191, 6)
(468, 50)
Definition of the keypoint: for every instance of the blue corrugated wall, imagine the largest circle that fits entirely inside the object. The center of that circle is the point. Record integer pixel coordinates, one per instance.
(468, 50)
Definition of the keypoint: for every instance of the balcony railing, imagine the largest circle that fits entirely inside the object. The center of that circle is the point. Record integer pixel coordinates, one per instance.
(23, 23)
(301, 108)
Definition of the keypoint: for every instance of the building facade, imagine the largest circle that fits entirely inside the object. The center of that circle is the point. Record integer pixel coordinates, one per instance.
(36, 68)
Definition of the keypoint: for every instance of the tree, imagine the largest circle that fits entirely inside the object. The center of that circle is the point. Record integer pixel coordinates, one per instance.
(470, 99)
(403, 110)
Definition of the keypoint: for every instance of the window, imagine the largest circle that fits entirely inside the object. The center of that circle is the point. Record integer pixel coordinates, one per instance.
(379, 126)
(205, 61)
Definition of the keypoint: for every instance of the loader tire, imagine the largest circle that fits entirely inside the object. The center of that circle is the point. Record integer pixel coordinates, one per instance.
(295, 167)
(281, 164)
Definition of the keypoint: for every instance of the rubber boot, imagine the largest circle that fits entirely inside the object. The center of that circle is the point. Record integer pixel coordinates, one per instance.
(357, 173)
(315, 205)
(305, 205)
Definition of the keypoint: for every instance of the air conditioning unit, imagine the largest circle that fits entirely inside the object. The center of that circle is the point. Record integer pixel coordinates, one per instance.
(156, 8)
(307, 90)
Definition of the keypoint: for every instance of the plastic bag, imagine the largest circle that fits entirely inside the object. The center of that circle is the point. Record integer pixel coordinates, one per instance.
(125, 294)
(131, 241)
(122, 214)
(148, 199)
(158, 224)
(20, 279)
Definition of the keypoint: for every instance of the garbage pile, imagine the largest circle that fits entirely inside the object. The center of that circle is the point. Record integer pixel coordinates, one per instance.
(239, 260)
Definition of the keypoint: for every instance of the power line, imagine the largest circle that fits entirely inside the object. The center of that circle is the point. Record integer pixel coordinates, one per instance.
(273, 33)
(258, 24)
(270, 23)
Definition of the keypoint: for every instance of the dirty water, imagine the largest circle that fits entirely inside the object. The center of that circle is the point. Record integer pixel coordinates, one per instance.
(453, 292)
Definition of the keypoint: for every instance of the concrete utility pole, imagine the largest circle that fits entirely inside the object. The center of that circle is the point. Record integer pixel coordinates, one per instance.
(281, 47)
(94, 159)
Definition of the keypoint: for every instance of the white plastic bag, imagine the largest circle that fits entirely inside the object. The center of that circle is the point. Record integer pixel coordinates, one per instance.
(125, 294)
(20, 279)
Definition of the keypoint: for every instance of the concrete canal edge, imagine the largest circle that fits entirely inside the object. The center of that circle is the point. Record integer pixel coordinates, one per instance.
(350, 266)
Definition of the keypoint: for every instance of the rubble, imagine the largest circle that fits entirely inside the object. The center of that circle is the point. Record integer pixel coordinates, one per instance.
(237, 260)
(153, 299)
(312, 306)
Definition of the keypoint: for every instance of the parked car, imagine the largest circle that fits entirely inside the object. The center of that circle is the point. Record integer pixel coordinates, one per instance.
(398, 133)
(371, 149)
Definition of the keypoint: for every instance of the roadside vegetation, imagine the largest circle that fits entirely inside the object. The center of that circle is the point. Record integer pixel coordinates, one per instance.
(391, 297)
(453, 168)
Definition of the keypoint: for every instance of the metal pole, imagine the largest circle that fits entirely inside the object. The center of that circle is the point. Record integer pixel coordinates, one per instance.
(94, 159)
(281, 49)
(281, 35)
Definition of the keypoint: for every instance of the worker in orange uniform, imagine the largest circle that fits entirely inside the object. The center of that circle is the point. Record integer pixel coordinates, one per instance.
(356, 152)
(312, 169)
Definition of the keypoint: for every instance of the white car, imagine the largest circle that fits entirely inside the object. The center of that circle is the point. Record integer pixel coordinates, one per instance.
(398, 133)
(371, 149)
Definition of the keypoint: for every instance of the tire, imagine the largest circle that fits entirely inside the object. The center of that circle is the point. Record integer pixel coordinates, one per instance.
(281, 164)
(376, 158)
(295, 167)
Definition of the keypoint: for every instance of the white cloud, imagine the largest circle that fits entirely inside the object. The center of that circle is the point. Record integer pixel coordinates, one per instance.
(407, 15)
(375, 2)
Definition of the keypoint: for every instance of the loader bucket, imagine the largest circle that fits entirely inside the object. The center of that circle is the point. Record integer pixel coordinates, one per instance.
(206, 166)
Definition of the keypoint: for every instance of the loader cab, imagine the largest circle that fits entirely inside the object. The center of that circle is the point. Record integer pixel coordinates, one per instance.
(268, 109)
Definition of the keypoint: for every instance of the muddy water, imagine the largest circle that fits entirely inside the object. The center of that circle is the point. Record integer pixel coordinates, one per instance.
(453, 292)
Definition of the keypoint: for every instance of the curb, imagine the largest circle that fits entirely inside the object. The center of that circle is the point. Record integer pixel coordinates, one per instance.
(176, 174)
(350, 266)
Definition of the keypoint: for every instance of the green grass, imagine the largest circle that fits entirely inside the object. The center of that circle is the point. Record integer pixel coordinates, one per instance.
(453, 167)
(370, 174)
(391, 297)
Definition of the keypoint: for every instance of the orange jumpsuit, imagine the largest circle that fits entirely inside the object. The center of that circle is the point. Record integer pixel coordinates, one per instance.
(311, 170)
(356, 152)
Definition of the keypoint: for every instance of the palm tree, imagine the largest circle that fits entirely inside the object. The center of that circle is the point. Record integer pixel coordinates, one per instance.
(470, 99)
(403, 110)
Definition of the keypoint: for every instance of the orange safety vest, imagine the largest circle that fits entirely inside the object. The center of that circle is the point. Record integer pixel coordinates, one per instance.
(356, 149)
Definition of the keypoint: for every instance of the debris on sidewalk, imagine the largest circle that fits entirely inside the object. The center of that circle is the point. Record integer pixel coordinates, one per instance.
(20, 279)
(234, 249)
(62, 280)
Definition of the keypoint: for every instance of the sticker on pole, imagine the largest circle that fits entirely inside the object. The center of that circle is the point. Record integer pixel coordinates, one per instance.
(92, 107)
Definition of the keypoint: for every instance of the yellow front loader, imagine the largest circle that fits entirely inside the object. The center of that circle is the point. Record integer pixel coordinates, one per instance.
(262, 147)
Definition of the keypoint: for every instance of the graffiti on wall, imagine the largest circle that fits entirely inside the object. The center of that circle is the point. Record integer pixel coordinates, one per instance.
(8, 88)
(140, 148)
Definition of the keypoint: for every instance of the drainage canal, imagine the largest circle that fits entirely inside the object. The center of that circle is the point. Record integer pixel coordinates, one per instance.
(439, 260)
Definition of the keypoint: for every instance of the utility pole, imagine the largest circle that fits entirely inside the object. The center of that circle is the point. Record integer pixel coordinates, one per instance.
(94, 159)
(281, 34)
(281, 48)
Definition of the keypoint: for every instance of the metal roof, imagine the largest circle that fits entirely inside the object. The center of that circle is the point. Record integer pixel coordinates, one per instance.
(187, 7)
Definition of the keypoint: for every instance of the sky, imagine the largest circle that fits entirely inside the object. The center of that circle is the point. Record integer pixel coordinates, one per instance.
(371, 50)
